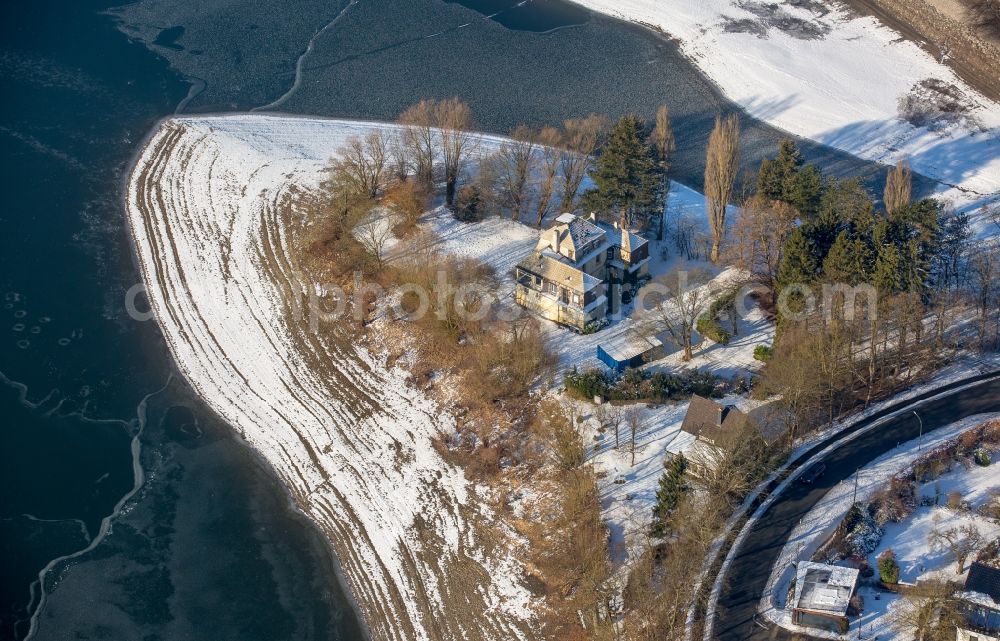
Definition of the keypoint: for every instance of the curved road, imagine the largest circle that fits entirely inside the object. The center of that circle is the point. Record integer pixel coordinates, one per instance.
(752, 564)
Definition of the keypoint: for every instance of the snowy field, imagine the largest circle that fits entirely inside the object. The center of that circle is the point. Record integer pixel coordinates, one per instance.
(349, 436)
(816, 70)
(908, 539)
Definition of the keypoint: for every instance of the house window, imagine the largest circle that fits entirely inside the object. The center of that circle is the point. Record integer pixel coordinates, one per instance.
(576, 299)
(551, 288)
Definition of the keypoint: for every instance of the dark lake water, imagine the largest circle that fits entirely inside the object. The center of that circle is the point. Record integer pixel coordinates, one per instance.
(208, 542)
(539, 16)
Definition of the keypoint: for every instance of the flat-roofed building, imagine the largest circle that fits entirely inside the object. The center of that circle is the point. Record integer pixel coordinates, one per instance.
(823, 595)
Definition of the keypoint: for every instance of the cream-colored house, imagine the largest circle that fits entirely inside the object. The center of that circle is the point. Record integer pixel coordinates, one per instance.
(576, 266)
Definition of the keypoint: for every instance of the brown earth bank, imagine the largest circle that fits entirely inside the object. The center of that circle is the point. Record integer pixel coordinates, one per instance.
(973, 58)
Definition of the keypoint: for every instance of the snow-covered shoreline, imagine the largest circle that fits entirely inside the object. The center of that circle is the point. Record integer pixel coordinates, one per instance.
(348, 436)
(818, 71)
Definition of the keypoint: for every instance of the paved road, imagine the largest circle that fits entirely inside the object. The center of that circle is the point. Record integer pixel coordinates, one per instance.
(752, 566)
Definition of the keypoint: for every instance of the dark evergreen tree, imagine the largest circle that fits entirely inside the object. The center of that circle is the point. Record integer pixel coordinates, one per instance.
(798, 265)
(916, 230)
(842, 264)
(955, 235)
(888, 276)
(805, 191)
(776, 176)
(625, 175)
(671, 491)
(846, 203)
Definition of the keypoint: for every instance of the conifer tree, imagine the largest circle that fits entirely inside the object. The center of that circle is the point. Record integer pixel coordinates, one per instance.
(839, 266)
(671, 490)
(845, 202)
(624, 174)
(888, 276)
(848, 261)
(777, 175)
(798, 264)
(805, 191)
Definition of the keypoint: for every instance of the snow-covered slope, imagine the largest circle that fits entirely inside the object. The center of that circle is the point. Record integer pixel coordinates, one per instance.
(813, 69)
(350, 438)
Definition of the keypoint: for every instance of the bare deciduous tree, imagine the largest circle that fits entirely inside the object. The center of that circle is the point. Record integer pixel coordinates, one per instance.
(662, 138)
(515, 160)
(673, 304)
(759, 237)
(616, 416)
(418, 137)
(549, 140)
(992, 213)
(928, 611)
(362, 164)
(634, 422)
(721, 165)
(985, 268)
(898, 188)
(961, 542)
(400, 163)
(580, 139)
(374, 232)
(559, 430)
(454, 119)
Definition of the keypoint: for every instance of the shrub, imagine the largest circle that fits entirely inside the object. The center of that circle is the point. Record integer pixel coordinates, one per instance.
(409, 200)
(468, 204)
(896, 503)
(888, 568)
(981, 457)
(763, 353)
(637, 385)
(969, 440)
(711, 328)
(595, 326)
(588, 384)
(991, 433)
(862, 533)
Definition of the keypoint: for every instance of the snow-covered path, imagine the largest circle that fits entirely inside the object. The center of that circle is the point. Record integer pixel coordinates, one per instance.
(347, 435)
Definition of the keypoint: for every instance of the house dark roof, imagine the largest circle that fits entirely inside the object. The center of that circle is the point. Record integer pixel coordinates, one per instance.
(711, 421)
(984, 580)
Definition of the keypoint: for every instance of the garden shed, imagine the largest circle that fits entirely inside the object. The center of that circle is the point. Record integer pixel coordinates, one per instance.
(623, 352)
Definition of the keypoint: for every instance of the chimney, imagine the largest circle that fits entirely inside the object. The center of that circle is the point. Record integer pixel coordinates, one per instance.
(616, 224)
(555, 240)
(720, 414)
(593, 216)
